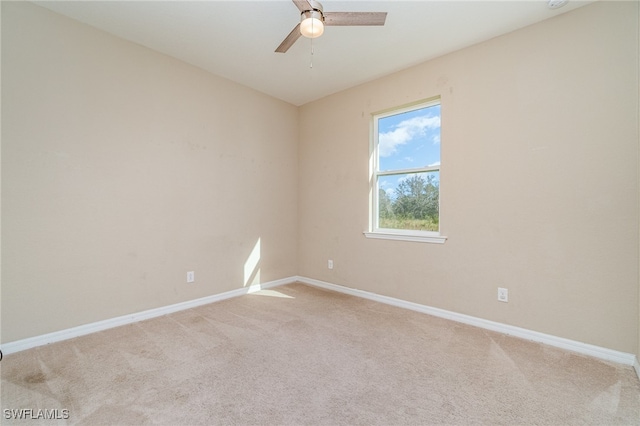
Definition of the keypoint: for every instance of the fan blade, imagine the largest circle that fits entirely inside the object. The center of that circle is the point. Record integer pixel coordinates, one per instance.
(303, 5)
(354, 18)
(289, 40)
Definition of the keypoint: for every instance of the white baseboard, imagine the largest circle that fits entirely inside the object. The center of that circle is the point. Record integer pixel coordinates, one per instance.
(571, 345)
(57, 336)
(559, 342)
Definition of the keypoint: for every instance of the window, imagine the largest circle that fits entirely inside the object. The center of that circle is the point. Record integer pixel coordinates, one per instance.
(405, 193)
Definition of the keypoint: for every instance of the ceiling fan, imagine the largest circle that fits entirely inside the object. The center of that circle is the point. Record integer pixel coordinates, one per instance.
(313, 19)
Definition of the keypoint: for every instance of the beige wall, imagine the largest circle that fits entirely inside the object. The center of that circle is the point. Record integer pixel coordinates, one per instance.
(539, 181)
(122, 169)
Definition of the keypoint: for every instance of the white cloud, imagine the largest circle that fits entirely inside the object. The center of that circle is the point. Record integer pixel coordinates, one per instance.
(436, 139)
(404, 132)
(437, 163)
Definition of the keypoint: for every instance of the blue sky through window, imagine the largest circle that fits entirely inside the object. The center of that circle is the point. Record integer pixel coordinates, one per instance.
(408, 140)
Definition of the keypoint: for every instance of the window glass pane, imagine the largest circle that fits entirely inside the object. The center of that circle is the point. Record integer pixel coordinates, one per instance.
(409, 140)
(409, 201)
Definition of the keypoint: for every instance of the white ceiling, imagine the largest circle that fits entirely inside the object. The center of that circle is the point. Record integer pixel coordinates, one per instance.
(237, 39)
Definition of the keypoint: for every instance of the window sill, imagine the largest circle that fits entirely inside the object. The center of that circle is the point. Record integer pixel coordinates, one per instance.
(435, 239)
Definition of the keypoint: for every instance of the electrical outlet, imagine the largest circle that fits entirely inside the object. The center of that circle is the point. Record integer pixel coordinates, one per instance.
(191, 276)
(330, 264)
(503, 294)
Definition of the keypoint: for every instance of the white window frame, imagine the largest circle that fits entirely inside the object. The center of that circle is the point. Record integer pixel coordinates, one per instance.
(398, 234)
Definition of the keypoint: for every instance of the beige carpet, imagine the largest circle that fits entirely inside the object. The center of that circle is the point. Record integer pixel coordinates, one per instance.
(300, 355)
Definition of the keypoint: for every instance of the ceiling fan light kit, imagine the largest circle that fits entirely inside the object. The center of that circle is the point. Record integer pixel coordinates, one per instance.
(312, 25)
(313, 20)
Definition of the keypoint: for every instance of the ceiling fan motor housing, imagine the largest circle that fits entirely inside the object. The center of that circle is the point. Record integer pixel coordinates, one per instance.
(315, 6)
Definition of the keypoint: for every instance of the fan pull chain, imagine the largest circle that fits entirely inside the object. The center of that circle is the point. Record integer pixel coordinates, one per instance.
(311, 60)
